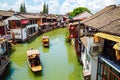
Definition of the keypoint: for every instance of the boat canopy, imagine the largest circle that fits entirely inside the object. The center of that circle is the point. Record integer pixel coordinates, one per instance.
(33, 52)
(108, 36)
(45, 37)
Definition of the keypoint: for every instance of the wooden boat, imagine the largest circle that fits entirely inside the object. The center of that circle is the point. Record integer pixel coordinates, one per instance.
(34, 60)
(45, 41)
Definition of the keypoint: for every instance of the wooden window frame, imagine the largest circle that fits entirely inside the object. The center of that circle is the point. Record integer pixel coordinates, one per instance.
(105, 71)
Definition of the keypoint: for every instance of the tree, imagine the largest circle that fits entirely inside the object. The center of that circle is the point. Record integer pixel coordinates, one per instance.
(22, 8)
(77, 11)
(45, 8)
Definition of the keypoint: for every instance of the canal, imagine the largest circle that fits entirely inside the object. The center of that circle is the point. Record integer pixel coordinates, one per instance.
(59, 60)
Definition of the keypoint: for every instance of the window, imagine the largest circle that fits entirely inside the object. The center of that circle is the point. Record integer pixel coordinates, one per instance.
(108, 50)
(82, 48)
(31, 21)
(18, 23)
(106, 72)
(34, 29)
(28, 30)
(43, 20)
(35, 21)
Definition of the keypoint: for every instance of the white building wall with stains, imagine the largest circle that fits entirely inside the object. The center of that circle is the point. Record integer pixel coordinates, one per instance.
(89, 62)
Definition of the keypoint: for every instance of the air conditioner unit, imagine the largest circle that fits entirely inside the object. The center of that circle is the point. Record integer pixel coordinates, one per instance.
(96, 49)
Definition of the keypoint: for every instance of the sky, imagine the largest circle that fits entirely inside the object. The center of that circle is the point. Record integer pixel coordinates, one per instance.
(56, 6)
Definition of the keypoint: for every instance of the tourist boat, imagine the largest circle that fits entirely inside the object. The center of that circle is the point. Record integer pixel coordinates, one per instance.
(34, 60)
(45, 41)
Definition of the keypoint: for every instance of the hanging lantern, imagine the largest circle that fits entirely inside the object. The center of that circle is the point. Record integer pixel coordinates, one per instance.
(71, 36)
(72, 31)
(71, 27)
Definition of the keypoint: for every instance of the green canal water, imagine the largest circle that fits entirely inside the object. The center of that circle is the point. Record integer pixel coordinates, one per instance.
(59, 60)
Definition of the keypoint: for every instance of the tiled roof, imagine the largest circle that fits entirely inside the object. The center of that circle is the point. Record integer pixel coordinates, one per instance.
(25, 15)
(82, 15)
(106, 20)
(6, 13)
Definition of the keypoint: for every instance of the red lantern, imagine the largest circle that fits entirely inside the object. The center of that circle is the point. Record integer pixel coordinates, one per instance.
(72, 27)
(72, 31)
(71, 36)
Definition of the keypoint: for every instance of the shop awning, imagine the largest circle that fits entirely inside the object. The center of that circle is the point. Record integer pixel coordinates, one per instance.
(108, 36)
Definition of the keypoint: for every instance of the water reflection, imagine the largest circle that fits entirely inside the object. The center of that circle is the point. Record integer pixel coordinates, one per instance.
(45, 49)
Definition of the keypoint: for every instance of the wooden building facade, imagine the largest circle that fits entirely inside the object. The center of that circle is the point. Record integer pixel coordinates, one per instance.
(22, 26)
(100, 44)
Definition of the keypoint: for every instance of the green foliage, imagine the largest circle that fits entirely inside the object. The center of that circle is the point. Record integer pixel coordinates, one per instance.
(77, 11)
(45, 8)
(22, 8)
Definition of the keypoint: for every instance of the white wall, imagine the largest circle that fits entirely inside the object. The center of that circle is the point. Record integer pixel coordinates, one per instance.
(20, 33)
(89, 63)
(93, 60)
(17, 32)
(6, 22)
(33, 25)
(24, 33)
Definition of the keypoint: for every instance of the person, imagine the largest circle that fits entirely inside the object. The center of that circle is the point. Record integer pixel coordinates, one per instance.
(32, 62)
(37, 60)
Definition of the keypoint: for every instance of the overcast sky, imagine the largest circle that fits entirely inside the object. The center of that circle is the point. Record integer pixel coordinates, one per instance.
(57, 6)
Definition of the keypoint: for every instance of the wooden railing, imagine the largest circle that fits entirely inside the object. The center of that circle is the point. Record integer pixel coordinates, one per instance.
(108, 74)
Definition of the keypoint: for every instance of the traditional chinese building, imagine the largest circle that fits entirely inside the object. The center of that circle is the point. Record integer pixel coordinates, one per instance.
(5, 14)
(22, 26)
(48, 22)
(62, 21)
(2, 29)
(75, 28)
(100, 45)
